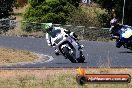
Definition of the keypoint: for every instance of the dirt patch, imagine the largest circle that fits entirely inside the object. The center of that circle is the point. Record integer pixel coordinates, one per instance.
(15, 56)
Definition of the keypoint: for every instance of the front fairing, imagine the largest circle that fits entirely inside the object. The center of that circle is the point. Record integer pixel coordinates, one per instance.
(125, 33)
(58, 38)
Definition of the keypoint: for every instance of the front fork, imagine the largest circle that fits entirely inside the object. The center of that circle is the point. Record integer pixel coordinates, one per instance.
(118, 43)
(77, 50)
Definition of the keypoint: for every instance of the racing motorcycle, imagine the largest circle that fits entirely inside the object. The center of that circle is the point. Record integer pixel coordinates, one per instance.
(68, 47)
(124, 38)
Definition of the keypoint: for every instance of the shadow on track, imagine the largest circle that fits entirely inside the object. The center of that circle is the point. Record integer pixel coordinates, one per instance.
(71, 63)
(126, 52)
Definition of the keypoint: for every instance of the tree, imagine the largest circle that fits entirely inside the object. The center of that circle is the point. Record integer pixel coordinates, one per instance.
(109, 6)
(37, 2)
(74, 2)
(5, 8)
(56, 11)
(34, 3)
(128, 12)
(21, 3)
(115, 8)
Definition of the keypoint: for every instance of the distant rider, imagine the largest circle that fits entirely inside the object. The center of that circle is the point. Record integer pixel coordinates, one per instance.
(52, 32)
(116, 29)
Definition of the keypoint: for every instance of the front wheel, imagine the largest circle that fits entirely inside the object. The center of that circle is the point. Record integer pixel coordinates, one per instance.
(128, 46)
(81, 59)
(118, 43)
(67, 53)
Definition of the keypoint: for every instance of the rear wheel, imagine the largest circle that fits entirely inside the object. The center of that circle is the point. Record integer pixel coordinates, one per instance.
(66, 52)
(130, 48)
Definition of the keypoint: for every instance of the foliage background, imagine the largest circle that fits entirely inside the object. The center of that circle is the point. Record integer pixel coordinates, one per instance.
(115, 9)
(6, 6)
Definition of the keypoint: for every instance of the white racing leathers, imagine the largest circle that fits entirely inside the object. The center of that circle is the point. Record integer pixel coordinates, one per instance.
(60, 38)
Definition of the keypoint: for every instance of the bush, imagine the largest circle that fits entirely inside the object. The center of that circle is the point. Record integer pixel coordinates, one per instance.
(49, 11)
(78, 18)
(87, 16)
(55, 11)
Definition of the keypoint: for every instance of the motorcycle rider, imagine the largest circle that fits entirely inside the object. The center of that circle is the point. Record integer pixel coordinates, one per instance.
(52, 31)
(115, 30)
(115, 27)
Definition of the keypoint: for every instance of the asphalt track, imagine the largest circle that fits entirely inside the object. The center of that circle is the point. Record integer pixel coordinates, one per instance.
(98, 54)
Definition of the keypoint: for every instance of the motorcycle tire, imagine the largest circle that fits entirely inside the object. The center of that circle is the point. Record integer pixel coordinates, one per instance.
(130, 48)
(119, 44)
(68, 55)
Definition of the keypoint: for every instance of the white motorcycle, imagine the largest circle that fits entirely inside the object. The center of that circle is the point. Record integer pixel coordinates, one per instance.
(68, 47)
